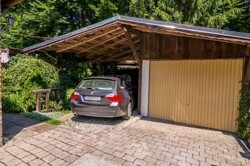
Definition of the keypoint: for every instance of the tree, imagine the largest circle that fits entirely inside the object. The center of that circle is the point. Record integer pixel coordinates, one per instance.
(214, 13)
(242, 21)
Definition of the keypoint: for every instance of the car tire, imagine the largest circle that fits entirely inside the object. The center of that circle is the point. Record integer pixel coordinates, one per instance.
(128, 112)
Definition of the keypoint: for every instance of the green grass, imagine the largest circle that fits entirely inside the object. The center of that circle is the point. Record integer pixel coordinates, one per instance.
(54, 122)
(50, 117)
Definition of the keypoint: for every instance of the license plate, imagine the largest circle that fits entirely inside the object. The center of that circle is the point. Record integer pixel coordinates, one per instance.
(92, 98)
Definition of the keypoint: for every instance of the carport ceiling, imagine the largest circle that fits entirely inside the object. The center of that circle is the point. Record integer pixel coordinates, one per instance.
(109, 41)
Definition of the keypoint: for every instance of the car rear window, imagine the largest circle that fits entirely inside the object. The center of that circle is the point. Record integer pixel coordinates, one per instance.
(98, 84)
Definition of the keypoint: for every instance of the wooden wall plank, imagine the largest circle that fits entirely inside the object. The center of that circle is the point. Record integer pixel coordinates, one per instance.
(157, 46)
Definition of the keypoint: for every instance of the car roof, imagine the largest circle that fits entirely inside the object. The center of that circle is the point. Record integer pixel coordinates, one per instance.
(102, 77)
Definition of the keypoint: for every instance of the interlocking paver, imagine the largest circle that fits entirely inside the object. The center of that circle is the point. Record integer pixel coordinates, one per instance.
(36, 162)
(57, 162)
(139, 155)
(71, 158)
(143, 143)
(165, 163)
(129, 158)
(13, 162)
(28, 158)
(107, 156)
(150, 160)
(128, 164)
(129, 152)
(118, 154)
(118, 160)
(193, 161)
(183, 163)
(49, 158)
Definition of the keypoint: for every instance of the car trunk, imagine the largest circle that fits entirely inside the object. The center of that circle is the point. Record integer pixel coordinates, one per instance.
(94, 97)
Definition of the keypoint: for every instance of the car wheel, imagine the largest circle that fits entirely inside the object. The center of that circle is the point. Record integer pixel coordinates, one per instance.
(129, 111)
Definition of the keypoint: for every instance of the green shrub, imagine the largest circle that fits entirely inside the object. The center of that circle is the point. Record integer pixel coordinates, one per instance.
(23, 75)
(244, 114)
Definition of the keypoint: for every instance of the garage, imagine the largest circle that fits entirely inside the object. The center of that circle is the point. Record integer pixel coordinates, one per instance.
(198, 92)
(186, 74)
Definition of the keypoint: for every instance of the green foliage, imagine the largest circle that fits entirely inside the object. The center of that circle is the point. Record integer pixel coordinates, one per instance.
(21, 77)
(37, 116)
(50, 117)
(215, 13)
(244, 114)
(105, 9)
(54, 122)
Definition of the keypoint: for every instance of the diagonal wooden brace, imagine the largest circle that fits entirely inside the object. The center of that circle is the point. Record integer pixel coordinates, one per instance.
(131, 44)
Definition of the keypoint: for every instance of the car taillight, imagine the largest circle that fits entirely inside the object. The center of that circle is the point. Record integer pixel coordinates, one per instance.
(75, 96)
(114, 97)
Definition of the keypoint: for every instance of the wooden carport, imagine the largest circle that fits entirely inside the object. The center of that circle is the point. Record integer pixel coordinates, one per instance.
(127, 38)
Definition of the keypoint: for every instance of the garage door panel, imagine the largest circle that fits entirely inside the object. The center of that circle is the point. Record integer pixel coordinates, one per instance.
(198, 92)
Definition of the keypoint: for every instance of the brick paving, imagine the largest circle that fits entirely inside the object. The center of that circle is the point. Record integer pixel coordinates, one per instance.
(143, 143)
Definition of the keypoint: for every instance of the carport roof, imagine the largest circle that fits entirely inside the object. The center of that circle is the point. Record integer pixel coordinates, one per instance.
(107, 40)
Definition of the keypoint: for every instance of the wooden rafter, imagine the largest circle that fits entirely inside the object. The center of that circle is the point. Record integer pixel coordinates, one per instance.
(108, 46)
(131, 44)
(101, 43)
(120, 54)
(112, 52)
(87, 40)
(107, 53)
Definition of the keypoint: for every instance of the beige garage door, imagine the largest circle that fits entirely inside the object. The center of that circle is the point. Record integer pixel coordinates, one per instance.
(198, 92)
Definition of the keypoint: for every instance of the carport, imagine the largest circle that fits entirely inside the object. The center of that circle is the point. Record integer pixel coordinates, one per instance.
(187, 74)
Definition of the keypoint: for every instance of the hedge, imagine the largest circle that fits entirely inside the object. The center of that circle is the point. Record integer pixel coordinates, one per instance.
(244, 114)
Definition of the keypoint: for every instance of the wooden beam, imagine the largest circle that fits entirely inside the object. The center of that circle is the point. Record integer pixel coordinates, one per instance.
(190, 35)
(9, 3)
(109, 60)
(88, 40)
(101, 43)
(131, 44)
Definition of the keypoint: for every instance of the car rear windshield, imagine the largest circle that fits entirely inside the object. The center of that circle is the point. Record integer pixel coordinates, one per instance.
(98, 84)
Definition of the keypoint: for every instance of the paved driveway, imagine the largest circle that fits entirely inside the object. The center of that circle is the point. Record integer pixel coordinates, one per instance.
(143, 143)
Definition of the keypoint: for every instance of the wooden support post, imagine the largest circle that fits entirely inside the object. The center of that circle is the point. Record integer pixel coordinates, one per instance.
(246, 76)
(139, 62)
(47, 101)
(38, 102)
(139, 89)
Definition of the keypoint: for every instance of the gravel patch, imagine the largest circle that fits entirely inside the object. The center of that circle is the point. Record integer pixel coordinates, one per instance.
(95, 124)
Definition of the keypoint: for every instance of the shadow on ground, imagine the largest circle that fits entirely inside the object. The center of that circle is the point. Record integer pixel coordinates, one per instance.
(244, 145)
(100, 120)
(96, 120)
(17, 126)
